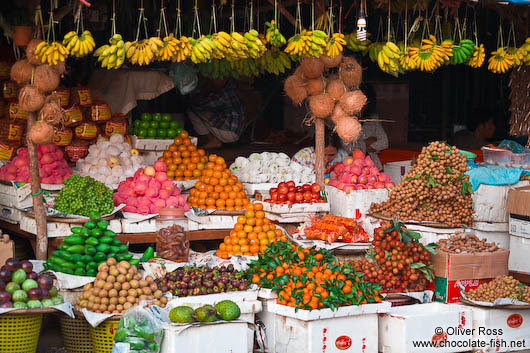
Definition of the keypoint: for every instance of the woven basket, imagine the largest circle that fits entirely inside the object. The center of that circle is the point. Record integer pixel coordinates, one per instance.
(103, 336)
(76, 334)
(19, 333)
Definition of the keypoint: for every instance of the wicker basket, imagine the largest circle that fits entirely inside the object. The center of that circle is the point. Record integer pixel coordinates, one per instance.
(76, 334)
(19, 333)
(103, 336)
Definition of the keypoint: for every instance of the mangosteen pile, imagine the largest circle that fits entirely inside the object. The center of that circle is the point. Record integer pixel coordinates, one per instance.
(193, 280)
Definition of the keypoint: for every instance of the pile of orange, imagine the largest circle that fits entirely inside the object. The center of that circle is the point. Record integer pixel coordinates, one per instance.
(217, 188)
(251, 234)
(184, 161)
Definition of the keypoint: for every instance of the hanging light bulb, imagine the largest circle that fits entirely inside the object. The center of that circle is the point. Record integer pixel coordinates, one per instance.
(361, 26)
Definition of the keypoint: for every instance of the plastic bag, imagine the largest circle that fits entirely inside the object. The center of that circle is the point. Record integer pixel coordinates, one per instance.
(184, 77)
(138, 331)
(512, 146)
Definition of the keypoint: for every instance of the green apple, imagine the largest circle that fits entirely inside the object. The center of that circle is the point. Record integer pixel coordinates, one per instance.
(157, 117)
(144, 124)
(145, 117)
(174, 124)
(133, 131)
(166, 117)
(141, 133)
(154, 124)
(171, 133)
(137, 123)
(161, 133)
(179, 130)
(151, 133)
(164, 125)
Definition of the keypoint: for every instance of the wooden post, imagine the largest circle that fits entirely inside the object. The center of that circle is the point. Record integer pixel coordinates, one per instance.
(319, 150)
(38, 206)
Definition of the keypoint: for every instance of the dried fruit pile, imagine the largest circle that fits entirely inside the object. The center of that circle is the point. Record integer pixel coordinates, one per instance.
(190, 280)
(500, 287)
(310, 279)
(217, 188)
(461, 243)
(333, 228)
(434, 190)
(398, 261)
(329, 94)
(251, 234)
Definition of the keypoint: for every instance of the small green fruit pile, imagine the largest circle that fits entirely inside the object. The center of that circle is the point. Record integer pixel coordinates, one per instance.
(155, 126)
(83, 195)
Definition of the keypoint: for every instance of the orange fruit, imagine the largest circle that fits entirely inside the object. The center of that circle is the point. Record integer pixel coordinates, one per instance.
(200, 166)
(241, 219)
(254, 242)
(170, 174)
(251, 221)
(271, 234)
(202, 202)
(177, 160)
(223, 195)
(226, 174)
(181, 148)
(196, 173)
(210, 202)
(210, 165)
(229, 248)
(219, 160)
(186, 141)
(215, 195)
(262, 235)
(260, 214)
(262, 248)
(243, 241)
(188, 173)
(166, 154)
(191, 166)
(254, 249)
(259, 221)
(239, 203)
(230, 203)
(242, 195)
(241, 234)
(184, 134)
(244, 248)
(179, 173)
(250, 211)
(218, 188)
(228, 188)
(258, 206)
(238, 226)
(222, 246)
(209, 188)
(177, 141)
(203, 195)
(248, 228)
(223, 182)
(252, 235)
(195, 159)
(220, 203)
(218, 167)
(171, 167)
(186, 154)
(232, 195)
(212, 158)
(258, 229)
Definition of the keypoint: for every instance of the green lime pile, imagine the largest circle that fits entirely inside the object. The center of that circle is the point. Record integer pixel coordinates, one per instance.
(225, 310)
(83, 195)
(81, 252)
(155, 126)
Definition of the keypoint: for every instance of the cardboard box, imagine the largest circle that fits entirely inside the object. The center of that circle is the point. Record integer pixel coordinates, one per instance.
(455, 267)
(519, 210)
(446, 291)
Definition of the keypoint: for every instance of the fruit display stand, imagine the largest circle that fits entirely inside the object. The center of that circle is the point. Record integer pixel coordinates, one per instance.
(402, 325)
(327, 330)
(19, 330)
(57, 227)
(261, 188)
(295, 213)
(212, 219)
(18, 195)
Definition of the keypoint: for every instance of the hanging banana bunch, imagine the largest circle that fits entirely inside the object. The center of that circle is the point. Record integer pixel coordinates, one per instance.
(79, 45)
(273, 35)
(522, 55)
(429, 56)
(478, 56)
(304, 42)
(374, 49)
(462, 52)
(356, 45)
(388, 59)
(500, 61)
(50, 51)
(143, 52)
(336, 41)
(216, 69)
(111, 56)
(274, 62)
(169, 42)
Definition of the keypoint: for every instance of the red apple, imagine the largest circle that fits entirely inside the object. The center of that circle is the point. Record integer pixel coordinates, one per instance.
(315, 187)
(307, 196)
(268, 200)
(290, 196)
(299, 189)
(290, 183)
(306, 187)
(292, 188)
(299, 197)
(283, 190)
(354, 179)
(363, 179)
(315, 196)
(282, 197)
(282, 184)
(274, 196)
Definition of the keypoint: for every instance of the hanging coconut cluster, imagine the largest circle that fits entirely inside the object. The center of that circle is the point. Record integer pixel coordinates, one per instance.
(331, 88)
(38, 80)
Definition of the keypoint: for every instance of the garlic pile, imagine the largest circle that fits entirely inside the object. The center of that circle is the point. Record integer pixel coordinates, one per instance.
(110, 161)
(271, 167)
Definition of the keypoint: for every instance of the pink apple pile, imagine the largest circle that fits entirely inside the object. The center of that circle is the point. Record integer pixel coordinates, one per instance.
(149, 190)
(358, 173)
(53, 168)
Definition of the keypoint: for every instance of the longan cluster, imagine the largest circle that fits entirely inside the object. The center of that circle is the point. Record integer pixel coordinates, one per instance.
(500, 287)
(436, 189)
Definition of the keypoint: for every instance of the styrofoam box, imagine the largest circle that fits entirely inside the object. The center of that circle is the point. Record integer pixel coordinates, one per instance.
(154, 144)
(296, 208)
(267, 318)
(403, 325)
(344, 205)
(21, 197)
(348, 329)
(396, 170)
(431, 234)
(262, 188)
(493, 232)
(10, 214)
(519, 227)
(246, 300)
(56, 229)
(147, 226)
(519, 251)
(515, 326)
(489, 202)
(212, 222)
(221, 337)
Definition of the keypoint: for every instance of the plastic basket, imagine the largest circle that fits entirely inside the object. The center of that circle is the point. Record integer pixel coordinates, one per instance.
(19, 333)
(103, 336)
(76, 334)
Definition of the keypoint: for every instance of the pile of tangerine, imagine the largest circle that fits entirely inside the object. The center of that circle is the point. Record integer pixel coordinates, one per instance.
(251, 235)
(184, 161)
(217, 188)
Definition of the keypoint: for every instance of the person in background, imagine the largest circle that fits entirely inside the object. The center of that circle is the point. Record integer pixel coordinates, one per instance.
(373, 138)
(217, 113)
(480, 128)
(333, 153)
